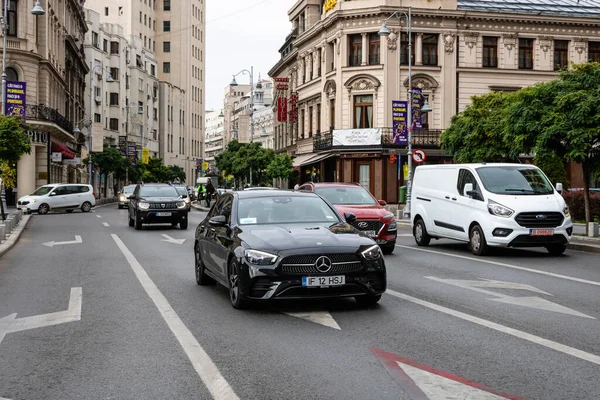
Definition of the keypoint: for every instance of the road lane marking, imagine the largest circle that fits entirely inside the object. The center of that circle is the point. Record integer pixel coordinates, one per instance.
(571, 351)
(169, 239)
(501, 264)
(106, 224)
(53, 243)
(98, 216)
(318, 317)
(201, 361)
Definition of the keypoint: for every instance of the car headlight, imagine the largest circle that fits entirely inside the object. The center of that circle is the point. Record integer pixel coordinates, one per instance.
(372, 253)
(181, 204)
(187, 200)
(257, 257)
(566, 211)
(32, 201)
(122, 198)
(388, 216)
(392, 226)
(142, 205)
(498, 209)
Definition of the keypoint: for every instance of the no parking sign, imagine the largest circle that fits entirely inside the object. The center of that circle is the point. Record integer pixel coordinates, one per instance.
(419, 156)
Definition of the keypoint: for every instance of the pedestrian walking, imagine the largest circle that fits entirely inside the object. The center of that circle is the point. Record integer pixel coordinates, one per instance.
(210, 191)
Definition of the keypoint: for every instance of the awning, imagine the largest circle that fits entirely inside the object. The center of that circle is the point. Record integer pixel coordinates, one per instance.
(302, 159)
(64, 150)
(319, 157)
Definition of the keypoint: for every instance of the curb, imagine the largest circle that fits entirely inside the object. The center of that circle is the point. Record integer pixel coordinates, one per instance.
(197, 207)
(14, 236)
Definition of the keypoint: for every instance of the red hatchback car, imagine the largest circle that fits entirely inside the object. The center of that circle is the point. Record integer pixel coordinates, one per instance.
(371, 217)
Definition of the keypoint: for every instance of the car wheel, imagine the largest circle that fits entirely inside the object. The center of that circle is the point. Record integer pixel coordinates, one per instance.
(86, 207)
(556, 250)
(201, 278)
(367, 300)
(183, 224)
(388, 248)
(138, 223)
(69, 211)
(420, 233)
(237, 301)
(43, 209)
(477, 242)
(120, 206)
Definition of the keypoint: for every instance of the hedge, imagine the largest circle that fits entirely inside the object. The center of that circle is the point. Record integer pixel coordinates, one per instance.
(575, 202)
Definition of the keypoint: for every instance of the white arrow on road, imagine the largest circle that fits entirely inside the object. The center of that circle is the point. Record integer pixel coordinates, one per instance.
(169, 239)
(53, 243)
(318, 317)
(11, 323)
(531, 302)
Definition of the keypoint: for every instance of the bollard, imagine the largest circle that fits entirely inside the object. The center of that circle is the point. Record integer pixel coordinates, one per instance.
(2, 232)
(593, 229)
(8, 223)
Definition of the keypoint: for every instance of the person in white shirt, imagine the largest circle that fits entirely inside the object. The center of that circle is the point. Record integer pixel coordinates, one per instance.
(296, 186)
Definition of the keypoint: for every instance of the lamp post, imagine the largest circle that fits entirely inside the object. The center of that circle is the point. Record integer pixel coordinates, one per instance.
(385, 32)
(234, 83)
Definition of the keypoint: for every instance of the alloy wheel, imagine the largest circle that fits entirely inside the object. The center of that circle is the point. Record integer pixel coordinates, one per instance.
(43, 209)
(234, 282)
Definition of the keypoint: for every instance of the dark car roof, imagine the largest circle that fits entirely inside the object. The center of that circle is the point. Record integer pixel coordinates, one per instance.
(244, 194)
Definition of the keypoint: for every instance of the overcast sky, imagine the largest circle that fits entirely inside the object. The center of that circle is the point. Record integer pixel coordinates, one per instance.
(241, 34)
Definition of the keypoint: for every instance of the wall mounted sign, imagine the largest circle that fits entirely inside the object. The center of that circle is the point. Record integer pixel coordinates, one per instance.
(357, 137)
(16, 99)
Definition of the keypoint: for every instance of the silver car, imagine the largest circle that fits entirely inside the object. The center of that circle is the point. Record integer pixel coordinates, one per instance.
(124, 196)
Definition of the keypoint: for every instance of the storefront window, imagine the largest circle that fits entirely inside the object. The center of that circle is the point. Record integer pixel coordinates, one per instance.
(363, 111)
(364, 176)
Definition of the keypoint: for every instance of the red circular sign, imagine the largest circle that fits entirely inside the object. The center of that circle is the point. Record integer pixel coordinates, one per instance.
(393, 158)
(419, 156)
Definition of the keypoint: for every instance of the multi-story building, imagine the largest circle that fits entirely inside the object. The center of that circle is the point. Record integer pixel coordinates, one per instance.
(232, 96)
(213, 138)
(261, 119)
(45, 52)
(174, 35)
(343, 76)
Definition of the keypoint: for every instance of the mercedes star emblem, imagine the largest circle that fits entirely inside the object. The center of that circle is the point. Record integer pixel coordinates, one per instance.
(323, 264)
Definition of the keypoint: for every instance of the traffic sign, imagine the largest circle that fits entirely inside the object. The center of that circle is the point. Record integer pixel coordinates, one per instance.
(419, 156)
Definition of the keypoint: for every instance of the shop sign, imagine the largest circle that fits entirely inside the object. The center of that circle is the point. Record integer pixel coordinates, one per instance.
(399, 122)
(145, 155)
(132, 154)
(282, 109)
(416, 108)
(75, 161)
(16, 99)
(359, 155)
(56, 157)
(357, 137)
(38, 137)
(284, 80)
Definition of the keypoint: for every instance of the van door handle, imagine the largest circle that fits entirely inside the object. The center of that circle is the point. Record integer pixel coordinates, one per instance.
(448, 197)
(454, 198)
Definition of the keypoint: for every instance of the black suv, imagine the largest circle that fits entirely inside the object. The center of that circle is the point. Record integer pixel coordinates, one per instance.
(157, 203)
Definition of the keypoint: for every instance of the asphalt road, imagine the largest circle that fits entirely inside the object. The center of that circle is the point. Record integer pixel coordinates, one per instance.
(518, 323)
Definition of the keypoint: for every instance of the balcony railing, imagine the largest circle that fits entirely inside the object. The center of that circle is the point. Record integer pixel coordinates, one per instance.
(425, 138)
(43, 113)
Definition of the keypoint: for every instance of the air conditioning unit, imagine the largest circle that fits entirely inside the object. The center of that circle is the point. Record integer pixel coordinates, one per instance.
(98, 100)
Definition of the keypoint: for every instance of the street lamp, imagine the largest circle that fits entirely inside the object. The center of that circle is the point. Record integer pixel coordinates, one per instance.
(234, 83)
(385, 32)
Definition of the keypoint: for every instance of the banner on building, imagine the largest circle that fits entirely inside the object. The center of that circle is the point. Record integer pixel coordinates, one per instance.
(399, 116)
(123, 145)
(16, 99)
(293, 107)
(282, 109)
(416, 108)
(145, 155)
(205, 165)
(97, 137)
(132, 154)
(75, 161)
(357, 137)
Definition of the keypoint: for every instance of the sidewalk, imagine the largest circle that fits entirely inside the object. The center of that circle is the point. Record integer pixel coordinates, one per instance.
(11, 229)
(197, 206)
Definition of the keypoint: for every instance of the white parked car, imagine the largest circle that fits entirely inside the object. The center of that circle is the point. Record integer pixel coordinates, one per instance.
(499, 205)
(60, 196)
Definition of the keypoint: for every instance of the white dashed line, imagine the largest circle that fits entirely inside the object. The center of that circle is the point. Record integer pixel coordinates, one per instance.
(105, 224)
(98, 216)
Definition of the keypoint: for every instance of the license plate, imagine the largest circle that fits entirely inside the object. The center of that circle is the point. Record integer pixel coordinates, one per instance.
(541, 232)
(370, 233)
(323, 281)
(24, 209)
(163, 214)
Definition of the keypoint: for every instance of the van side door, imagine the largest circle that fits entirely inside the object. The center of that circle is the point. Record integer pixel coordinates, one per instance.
(468, 209)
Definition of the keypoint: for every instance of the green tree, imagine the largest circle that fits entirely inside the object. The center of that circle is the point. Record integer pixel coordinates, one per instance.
(478, 134)
(561, 117)
(13, 139)
(110, 160)
(553, 166)
(281, 166)
(239, 158)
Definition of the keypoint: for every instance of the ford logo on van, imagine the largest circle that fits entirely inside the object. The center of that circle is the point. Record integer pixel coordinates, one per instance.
(541, 216)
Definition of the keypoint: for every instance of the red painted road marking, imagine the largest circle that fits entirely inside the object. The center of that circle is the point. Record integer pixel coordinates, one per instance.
(425, 379)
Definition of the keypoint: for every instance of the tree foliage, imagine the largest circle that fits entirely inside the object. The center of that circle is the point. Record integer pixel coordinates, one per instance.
(553, 166)
(239, 158)
(14, 141)
(280, 167)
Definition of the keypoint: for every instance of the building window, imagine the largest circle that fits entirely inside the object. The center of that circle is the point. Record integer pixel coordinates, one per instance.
(430, 49)
(114, 73)
(113, 124)
(331, 113)
(12, 18)
(354, 50)
(166, 67)
(114, 47)
(594, 51)
(310, 122)
(166, 5)
(374, 44)
(95, 40)
(363, 111)
(97, 118)
(114, 99)
(318, 130)
(404, 49)
(140, 17)
(11, 74)
(105, 45)
(166, 26)
(490, 52)
(153, 70)
(166, 47)
(561, 54)
(525, 53)
(106, 11)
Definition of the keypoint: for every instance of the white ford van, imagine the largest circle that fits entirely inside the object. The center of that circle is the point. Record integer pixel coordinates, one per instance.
(500, 205)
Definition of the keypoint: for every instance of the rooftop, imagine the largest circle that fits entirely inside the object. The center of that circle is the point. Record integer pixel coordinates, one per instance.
(575, 8)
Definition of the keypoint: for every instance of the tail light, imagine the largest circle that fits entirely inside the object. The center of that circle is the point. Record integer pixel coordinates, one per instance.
(94, 194)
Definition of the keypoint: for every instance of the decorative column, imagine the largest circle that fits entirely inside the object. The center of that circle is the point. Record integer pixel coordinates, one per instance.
(365, 49)
(26, 173)
(419, 50)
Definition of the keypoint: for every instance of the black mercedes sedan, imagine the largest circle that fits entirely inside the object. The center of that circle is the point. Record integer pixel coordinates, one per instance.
(275, 244)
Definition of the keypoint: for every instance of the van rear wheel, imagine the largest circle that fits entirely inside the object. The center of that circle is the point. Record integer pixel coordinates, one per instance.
(477, 242)
(420, 233)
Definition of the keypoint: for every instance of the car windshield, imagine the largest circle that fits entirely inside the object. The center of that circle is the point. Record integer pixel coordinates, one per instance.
(182, 191)
(128, 190)
(42, 191)
(284, 210)
(513, 180)
(158, 191)
(355, 195)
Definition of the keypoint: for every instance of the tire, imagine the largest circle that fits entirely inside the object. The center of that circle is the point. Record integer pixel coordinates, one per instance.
(388, 248)
(138, 223)
(556, 250)
(477, 242)
(233, 273)
(43, 209)
(183, 224)
(201, 278)
(131, 222)
(367, 300)
(420, 234)
(86, 207)
(69, 211)
(120, 207)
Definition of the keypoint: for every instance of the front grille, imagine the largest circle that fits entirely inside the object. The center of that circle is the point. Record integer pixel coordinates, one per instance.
(160, 205)
(368, 225)
(540, 219)
(312, 258)
(305, 264)
(23, 203)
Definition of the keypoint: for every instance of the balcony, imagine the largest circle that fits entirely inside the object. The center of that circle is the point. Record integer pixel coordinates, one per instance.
(48, 119)
(424, 138)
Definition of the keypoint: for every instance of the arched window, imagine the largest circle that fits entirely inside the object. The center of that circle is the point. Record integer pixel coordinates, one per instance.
(11, 74)
(12, 18)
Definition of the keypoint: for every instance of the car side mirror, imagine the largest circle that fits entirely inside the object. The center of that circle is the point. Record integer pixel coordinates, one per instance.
(52, 194)
(218, 220)
(132, 197)
(350, 217)
(382, 203)
(559, 188)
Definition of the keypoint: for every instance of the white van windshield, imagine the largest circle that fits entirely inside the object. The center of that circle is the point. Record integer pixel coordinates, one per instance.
(515, 179)
(42, 191)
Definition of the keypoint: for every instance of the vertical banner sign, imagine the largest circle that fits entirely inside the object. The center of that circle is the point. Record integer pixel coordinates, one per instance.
(279, 110)
(145, 155)
(399, 167)
(284, 109)
(123, 145)
(293, 108)
(199, 165)
(416, 108)
(16, 99)
(132, 154)
(97, 138)
(399, 117)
